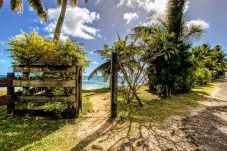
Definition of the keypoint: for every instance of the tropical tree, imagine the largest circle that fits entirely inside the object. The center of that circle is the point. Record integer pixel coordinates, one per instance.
(172, 75)
(17, 6)
(63, 4)
(104, 68)
(213, 59)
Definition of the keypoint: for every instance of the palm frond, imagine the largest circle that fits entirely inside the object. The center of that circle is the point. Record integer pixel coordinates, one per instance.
(16, 6)
(104, 69)
(1, 3)
(38, 7)
(193, 32)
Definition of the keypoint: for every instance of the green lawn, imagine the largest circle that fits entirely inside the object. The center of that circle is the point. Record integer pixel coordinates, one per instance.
(27, 132)
(156, 110)
(206, 89)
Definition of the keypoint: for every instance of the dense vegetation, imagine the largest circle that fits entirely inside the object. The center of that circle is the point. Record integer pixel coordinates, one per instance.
(34, 50)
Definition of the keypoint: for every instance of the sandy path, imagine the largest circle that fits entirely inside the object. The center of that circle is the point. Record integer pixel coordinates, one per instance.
(95, 122)
(207, 126)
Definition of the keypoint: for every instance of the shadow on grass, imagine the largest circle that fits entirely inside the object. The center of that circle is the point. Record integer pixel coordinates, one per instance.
(16, 133)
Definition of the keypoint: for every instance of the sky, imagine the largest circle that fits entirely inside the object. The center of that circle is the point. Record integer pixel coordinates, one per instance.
(98, 23)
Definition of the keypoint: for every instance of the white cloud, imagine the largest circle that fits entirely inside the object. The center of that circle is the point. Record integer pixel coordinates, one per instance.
(76, 22)
(63, 37)
(157, 6)
(95, 62)
(130, 17)
(92, 52)
(148, 5)
(30, 9)
(2, 61)
(201, 23)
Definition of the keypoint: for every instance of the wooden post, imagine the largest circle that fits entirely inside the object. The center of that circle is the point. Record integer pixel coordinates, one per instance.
(25, 89)
(10, 91)
(77, 91)
(114, 84)
(80, 87)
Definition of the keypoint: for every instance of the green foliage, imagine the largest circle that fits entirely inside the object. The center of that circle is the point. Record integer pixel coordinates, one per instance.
(17, 6)
(104, 68)
(34, 50)
(172, 74)
(202, 76)
(213, 59)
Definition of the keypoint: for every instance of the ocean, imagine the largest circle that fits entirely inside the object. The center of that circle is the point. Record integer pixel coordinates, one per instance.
(95, 83)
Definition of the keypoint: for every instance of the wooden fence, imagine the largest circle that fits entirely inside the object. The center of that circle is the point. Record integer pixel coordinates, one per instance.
(28, 83)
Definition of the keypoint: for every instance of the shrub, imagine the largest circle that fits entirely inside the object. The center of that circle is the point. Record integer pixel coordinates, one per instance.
(34, 50)
(202, 76)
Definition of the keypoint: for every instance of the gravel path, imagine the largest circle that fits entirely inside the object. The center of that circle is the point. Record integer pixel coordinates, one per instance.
(207, 126)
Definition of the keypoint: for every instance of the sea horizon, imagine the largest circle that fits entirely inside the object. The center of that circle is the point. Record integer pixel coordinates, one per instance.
(96, 82)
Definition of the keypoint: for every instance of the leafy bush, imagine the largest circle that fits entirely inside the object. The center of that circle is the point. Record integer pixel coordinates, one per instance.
(202, 76)
(34, 50)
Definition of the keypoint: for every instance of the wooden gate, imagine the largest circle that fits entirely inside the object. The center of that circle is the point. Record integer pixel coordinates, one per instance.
(71, 78)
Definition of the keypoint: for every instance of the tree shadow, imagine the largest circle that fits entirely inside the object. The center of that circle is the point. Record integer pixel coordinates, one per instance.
(208, 129)
(203, 131)
(18, 132)
(127, 136)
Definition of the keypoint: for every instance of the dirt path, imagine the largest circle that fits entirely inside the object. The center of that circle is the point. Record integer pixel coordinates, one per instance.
(207, 126)
(94, 123)
(205, 129)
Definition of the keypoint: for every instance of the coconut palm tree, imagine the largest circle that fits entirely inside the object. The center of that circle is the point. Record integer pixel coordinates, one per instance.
(63, 4)
(17, 6)
(105, 68)
(172, 73)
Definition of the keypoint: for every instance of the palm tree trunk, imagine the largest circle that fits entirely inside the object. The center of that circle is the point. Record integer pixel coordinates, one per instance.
(60, 22)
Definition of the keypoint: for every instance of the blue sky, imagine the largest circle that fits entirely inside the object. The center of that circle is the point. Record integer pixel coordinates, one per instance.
(98, 22)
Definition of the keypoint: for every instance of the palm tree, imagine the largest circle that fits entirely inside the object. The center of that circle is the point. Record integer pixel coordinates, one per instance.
(172, 73)
(17, 6)
(63, 4)
(172, 22)
(105, 68)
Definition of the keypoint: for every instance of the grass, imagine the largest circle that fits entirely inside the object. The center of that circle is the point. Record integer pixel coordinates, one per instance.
(156, 109)
(2, 92)
(32, 133)
(206, 89)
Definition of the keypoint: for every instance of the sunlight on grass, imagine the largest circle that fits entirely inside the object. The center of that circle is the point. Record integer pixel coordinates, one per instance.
(3, 92)
(156, 110)
(206, 89)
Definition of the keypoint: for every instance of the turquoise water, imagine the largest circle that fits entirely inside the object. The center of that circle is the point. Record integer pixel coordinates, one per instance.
(95, 83)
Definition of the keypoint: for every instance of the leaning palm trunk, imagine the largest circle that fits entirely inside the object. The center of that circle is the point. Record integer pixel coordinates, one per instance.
(60, 22)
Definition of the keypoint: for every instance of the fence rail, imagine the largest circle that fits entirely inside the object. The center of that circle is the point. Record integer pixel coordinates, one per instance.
(29, 84)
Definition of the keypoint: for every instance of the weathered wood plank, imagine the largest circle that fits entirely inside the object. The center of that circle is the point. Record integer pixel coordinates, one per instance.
(46, 69)
(5, 99)
(46, 83)
(37, 98)
(41, 113)
(6, 82)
